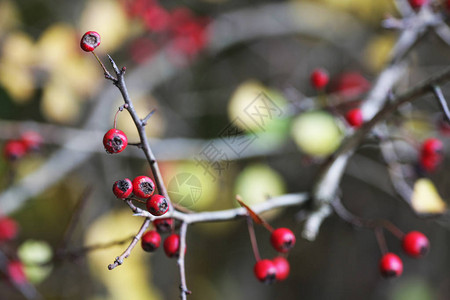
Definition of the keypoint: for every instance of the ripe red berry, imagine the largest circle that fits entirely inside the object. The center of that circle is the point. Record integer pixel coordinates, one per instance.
(157, 205)
(90, 41)
(143, 186)
(15, 272)
(31, 140)
(391, 265)
(8, 229)
(265, 271)
(150, 241)
(415, 244)
(172, 245)
(123, 188)
(351, 84)
(417, 3)
(354, 117)
(163, 225)
(14, 150)
(282, 239)
(115, 141)
(282, 266)
(319, 79)
(431, 154)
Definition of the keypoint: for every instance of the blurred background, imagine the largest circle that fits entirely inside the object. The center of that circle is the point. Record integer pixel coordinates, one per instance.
(235, 113)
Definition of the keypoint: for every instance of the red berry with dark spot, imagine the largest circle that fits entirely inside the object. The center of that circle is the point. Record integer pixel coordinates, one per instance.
(14, 150)
(115, 141)
(90, 41)
(31, 140)
(143, 186)
(15, 272)
(282, 239)
(282, 266)
(8, 229)
(157, 205)
(123, 188)
(416, 4)
(319, 79)
(172, 245)
(391, 265)
(354, 117)
(163, 225)
(431, 154)
(150, 241)
(415, 244)
(265, 271)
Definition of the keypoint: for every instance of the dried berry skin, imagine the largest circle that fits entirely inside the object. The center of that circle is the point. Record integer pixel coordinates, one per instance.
(8, 229)
(172, 245)
(115, 141)
(163, 225)
(143, 187)
(282, 239)
(415, 244)
(391, 265)
(123, 188)
(265, 271)
(354, 117)
(90, 41)
(282, 266)
(319, 79)
(14, 150)
(157, 205)
(150, 241)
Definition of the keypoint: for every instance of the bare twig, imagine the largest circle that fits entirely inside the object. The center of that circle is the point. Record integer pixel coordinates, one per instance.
(181, 266)
(441, 99)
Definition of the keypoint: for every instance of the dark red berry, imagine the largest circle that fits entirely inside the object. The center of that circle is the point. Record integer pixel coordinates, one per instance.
(415, 244)
(31, 140)
(150, 241)
(282, 239)
(163, 225)
(172, 245)
(90, 41)
(265, 271)
(143, 186)
(282, 266)
(14, 150)
(431, 154)
(123, 188)
(157, 205)
(416, 4)
(354, 117)
(351, 84)
(8, 229)
(115, 141)
(391, 265)
(15, 272)
(319, 79)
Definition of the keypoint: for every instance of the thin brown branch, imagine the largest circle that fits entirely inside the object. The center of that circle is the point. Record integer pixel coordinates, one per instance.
(184, 291)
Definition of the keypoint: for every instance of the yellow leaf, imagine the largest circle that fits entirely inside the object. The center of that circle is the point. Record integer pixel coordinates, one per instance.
(426, 199)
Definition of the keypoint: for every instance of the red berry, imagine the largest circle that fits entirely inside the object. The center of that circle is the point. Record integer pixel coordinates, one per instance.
(282, 266)
(354, 117)
(14, 150)
(150, 241)
(157, 205)
(417, 3)
(143, 187)
(319, 78)
(123, 188)
(31, 140)
(351, 84)
(415, 244)
(156, 18)
(115, 141)
(90, 41)
(265, 271)
(432, 146)
(15, 272)
(391, 265)
(172, 245)
(282, 239)
(8, 229)
(163, 225)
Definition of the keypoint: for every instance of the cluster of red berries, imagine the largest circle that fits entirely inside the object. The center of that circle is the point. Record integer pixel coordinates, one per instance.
(277, 269)
(185, 31)
(431, 154)
(151, 240)
(414, 243)
(29, 141)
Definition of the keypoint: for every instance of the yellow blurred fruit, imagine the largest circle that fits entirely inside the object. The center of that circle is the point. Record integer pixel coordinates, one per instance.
(317, 133)
(17, 81)
(60, 103)
(426, 199)
(36, 256)
(18, 49)
(58, 43)
(377, 52)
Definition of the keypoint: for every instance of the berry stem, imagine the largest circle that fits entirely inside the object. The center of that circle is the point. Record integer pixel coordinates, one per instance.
(381, 240)
(251, 232)
(106, 72)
